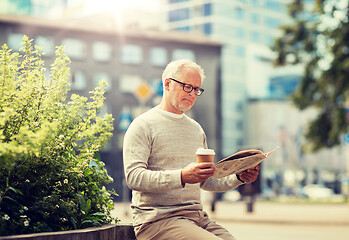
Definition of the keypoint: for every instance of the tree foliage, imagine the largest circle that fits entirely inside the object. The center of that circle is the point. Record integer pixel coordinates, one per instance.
(51, 177)
(318, 38)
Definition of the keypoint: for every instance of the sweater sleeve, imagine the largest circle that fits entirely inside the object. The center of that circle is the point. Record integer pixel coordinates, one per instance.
(136, 152)
(221, 184)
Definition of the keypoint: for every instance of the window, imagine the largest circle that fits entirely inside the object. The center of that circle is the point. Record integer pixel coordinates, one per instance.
(274, 6)
(239, 32)
(129, 83)
(75, 48)
(183, 54)
(101, 51)
(240, 51)
(132, 54)
(183, 29)
(272, 22)
(15, 40)
(158, 56)
(46, 44)
(77, 80)
(239, 108)
(207, 9)
(207, 28)
(239, 142)
(179, 14)
(239, 125)
(255, 18)
(239, 13)
(255, 36)
(103, 76)
(269, 40)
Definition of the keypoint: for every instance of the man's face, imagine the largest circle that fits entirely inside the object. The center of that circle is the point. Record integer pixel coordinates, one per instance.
(180, 100)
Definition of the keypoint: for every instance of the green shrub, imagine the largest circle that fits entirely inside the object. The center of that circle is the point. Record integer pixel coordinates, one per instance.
(51, 178)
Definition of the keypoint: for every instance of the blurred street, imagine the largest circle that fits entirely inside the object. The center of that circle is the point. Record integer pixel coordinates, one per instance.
(274, 221)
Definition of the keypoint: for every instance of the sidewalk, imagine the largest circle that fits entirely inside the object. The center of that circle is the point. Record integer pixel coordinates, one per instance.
(265, 212)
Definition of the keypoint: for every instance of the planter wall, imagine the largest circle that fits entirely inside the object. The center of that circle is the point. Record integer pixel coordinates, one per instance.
(107, 232)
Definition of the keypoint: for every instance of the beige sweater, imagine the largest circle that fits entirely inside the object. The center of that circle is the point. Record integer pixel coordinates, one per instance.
(156, 147)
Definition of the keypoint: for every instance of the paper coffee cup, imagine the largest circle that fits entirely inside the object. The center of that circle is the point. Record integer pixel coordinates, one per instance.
(205, 155)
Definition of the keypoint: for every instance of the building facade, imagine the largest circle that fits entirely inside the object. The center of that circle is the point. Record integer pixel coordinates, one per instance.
(132, 64)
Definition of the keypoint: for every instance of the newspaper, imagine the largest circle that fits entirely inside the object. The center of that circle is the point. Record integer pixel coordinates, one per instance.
(239, 162)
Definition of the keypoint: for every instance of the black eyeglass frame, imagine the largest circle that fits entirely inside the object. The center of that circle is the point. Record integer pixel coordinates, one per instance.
(197, 91)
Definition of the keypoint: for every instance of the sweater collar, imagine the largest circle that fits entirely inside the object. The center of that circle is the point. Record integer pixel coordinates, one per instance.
(170, 114)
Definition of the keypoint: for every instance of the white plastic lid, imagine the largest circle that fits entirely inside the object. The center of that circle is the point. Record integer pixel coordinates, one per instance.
(205, 151)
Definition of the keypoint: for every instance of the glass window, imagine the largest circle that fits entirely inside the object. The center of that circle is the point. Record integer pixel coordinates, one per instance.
(255, 36)
(255, 18)
(275, 6)
(15, 40)
(239, 142)
(77, 80)
(269, 40)
(239, 32)
(183, 54)
(240, 51)
(239, 124)
(183, 29)
(129, 83)
(46, 43)
(207, 9)
(75, 48)
(179, 14)
(239, 106)
(158, 56)
(99, 76)
(207, 28)
(272, 22)
(101, 51)
(132, 54)
(239, 13)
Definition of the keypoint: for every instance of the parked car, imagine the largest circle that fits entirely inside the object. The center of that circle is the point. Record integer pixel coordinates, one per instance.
(317, 191)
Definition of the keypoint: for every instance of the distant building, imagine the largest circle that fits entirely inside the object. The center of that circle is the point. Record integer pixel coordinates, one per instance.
(238, 25)
(131, 62)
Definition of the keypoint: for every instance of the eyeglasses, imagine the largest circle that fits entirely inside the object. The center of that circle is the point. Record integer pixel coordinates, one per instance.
(188, 88)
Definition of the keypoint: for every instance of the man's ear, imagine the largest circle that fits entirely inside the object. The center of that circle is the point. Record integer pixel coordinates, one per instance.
(167, 83)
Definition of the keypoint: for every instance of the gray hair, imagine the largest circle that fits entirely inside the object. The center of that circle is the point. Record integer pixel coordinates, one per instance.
(174, 69)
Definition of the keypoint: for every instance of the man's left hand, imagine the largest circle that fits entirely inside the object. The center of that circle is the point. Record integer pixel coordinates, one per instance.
(250, 175)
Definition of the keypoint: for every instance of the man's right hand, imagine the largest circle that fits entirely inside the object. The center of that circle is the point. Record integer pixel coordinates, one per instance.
(197, 172)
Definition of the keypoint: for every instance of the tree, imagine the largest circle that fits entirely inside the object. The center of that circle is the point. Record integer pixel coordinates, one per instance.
(318, 38)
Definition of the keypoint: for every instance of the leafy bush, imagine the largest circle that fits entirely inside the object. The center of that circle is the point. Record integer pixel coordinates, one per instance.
(50, 176)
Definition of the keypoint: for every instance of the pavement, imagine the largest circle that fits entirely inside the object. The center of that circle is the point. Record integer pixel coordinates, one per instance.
(264, 212)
